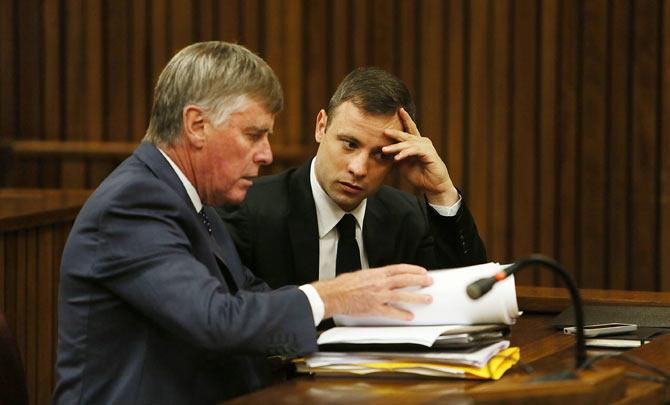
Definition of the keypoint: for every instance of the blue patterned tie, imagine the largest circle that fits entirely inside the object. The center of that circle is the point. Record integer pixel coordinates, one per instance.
(205, 220)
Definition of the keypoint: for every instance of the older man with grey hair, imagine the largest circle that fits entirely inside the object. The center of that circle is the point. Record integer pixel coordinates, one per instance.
(155, 305)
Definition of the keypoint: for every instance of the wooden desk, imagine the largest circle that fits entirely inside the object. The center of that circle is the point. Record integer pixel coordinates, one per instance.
(34, 225)
(542, 347)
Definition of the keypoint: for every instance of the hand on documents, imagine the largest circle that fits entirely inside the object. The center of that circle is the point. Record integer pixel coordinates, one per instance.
(451, 305)
(370, 292)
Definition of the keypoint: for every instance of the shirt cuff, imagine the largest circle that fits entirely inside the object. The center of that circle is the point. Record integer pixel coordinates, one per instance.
(449, 211)
(315, 301)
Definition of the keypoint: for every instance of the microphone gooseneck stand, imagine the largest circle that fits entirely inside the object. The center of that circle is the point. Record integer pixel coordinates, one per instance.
(480, 287)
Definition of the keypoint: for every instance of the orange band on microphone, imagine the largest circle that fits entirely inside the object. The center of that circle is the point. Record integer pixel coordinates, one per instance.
(500, 275)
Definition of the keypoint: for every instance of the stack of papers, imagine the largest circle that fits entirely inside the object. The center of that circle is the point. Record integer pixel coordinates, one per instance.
(454, 336)
(489, 362)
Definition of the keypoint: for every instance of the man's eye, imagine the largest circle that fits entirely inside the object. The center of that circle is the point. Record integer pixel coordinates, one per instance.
(350, 145)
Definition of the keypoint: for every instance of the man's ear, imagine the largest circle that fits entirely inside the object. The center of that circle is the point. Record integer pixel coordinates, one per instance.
(194, 125)
(321, 123)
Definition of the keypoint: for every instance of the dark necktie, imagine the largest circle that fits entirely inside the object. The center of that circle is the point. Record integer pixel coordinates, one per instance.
(348, 255)
(205, 220)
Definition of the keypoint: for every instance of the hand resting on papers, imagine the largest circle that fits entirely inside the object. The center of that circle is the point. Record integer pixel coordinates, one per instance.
(371, 292)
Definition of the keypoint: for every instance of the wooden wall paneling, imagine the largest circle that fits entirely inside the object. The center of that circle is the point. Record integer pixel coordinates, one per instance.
(140, 87)
(228, 20)
(73, 172)
(51, 105)
(11, 282)
(548, 137)
(31, 325)
(274, 55)
(383, 28)
(44, 300)
(180, 22)
(453, 87)
(159, 38)
(477, 158)
(94, 93)
(253, 26)
(619, 120)
(315, 64)
(568, 116)
(3, 270)
(593, 142)
(643, 155)
(360, 32)
(116, 64)
(498, 241)
(293, 68)
(61, 232)
(664, 130)
(20, 305)
(205, 24)
(29, 73)
(406, 45)
(340, 63)
(524, 203)
(8, 78)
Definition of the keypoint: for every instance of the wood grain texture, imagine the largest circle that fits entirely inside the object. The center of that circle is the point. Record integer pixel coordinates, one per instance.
(552, 116)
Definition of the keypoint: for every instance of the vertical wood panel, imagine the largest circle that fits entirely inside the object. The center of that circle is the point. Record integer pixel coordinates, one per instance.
(454, 91)
(180, 22)
(619, 64)
(592, 186)
(548, 135)
(359, 39)
(294, 72)
(117, 62)
(315, 65)
(275, 56)
(52, 88)
(567, 154)
(498, 240)
(478, 117)
(8, 73)
(31, 326)
(72, 171)
(664, 130)
(644, 165)
(524, 201)
(45, 327)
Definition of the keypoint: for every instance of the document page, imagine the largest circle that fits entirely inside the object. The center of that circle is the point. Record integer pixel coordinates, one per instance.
(451, 305)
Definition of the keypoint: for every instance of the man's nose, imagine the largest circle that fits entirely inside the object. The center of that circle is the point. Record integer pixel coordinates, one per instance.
(358, 165)
(263, 155)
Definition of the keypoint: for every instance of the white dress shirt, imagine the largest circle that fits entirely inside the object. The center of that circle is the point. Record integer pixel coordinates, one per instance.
(313, 297)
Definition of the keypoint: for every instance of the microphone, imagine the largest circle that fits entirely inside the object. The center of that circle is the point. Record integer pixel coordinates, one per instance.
(482, 286)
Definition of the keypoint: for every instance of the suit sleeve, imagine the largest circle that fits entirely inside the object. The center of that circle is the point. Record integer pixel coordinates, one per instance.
(451, 241)
(145, 257)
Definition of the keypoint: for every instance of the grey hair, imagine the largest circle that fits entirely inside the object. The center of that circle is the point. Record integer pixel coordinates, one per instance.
(219, 77)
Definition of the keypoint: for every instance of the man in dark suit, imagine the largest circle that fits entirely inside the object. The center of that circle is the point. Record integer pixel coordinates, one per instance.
(288, 229)
(155, 305)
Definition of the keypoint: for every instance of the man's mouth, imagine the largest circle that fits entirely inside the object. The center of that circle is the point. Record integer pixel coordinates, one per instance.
(350, 187)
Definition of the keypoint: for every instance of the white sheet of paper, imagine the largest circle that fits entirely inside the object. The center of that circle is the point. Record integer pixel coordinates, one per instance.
(451, 304)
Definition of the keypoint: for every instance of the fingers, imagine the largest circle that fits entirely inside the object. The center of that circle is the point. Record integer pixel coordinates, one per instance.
(394, 269)
(408, 122)
(410, 298)
(392, 312)
(408, 280)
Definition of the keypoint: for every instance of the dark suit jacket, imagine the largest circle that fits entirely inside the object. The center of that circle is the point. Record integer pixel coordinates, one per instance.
(276, 232)
(146, 310)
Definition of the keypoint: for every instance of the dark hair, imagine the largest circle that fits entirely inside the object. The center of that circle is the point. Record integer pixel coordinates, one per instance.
(373, 90)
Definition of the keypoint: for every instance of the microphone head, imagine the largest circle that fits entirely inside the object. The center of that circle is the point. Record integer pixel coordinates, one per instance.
(480, 287)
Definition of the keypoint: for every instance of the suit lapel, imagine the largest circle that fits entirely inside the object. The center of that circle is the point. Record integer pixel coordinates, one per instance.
(379, 234)
(221, 243)
(303, 228)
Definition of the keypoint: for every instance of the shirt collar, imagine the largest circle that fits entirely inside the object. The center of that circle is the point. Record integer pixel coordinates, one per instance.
(190, 190)
(328, 214)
